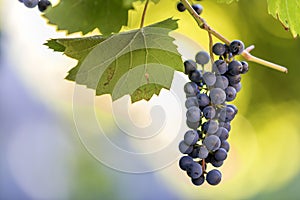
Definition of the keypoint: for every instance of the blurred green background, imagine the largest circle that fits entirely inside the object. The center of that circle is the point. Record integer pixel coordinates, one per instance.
(41, 156)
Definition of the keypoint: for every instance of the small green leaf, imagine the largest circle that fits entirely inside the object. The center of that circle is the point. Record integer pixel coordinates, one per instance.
(85, 16)
(138, 62)
(288, 12)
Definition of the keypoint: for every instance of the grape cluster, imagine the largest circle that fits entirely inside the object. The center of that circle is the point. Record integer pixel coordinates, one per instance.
(208, 114)
(197, 7)
(42, 4)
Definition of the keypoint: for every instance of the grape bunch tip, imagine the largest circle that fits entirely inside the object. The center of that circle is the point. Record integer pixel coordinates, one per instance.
(208, 114)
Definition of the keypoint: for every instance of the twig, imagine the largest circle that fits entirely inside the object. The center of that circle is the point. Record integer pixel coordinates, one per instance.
(210, 47)
(144, 14)
(246, 53)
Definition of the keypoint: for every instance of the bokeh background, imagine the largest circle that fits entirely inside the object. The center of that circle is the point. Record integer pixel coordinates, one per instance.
(42, 157)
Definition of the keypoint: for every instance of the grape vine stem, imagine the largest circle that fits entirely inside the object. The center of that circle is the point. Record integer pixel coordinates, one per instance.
(246, 53)
(144, 14)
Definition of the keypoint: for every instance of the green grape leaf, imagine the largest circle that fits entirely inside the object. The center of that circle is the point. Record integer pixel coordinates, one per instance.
(139, 62)
(288, 12)
(226, 1)
(85, 16)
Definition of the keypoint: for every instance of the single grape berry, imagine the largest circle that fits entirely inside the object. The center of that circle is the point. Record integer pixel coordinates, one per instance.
(212, 142)
(198, 181)
(235, 67)
(217, 96)
(221, 82)
(43, 5)
(214, 177)
(220, 154)
(191, 137)
(226, 114)
(203, 99)
(225, 145)
(30, 3)
(209, 78)
(220, 67)
(245, 67)
(194, 170)
(211, 126)
(203, 152)
(234, 79)
(193, 125)
(202, 57)
(189, 66)
(191, 89)
(198, 8)
(184, 148)
(230, 93)
(218, 49)
(236, 47)
(193, 114)
(181, 7)
(191, 101)
(195, 76)
(209, 112)
(195, 152)
(185, 161)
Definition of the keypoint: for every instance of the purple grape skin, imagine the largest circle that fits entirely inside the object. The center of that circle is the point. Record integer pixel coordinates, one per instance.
(214, 177)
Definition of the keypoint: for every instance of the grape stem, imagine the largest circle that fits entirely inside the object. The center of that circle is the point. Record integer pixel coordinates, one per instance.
(144, 14)
(246, 53)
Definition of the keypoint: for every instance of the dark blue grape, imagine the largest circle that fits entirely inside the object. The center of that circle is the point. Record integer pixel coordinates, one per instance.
(212, 142)
(220, 154)
(221, 82)
(189, 66)
(181, 7)
(194, 170)
(198, 8)
(217, 96)
(226, 114)
(245, 67)
(225, 125)
(193, 114)
(209, 112)
(203, 100)
(202, 57)
(43, 5)
(184, 148)
(191, 89)
(211, 126)
(225, 145)
(220, 67)
(191, 101)
(195, 152)
(185, 161)
(209, 78)
(193, 125)
(236, 47)
(230, 93)
(203, 152)
(234, 108)
(198, 181)
(221, 133)
(235, 67)
(218, 49)
(237, 87)
(216, 163)
(191, 137)
(234, 79)
(195, 76)
(214, 177)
